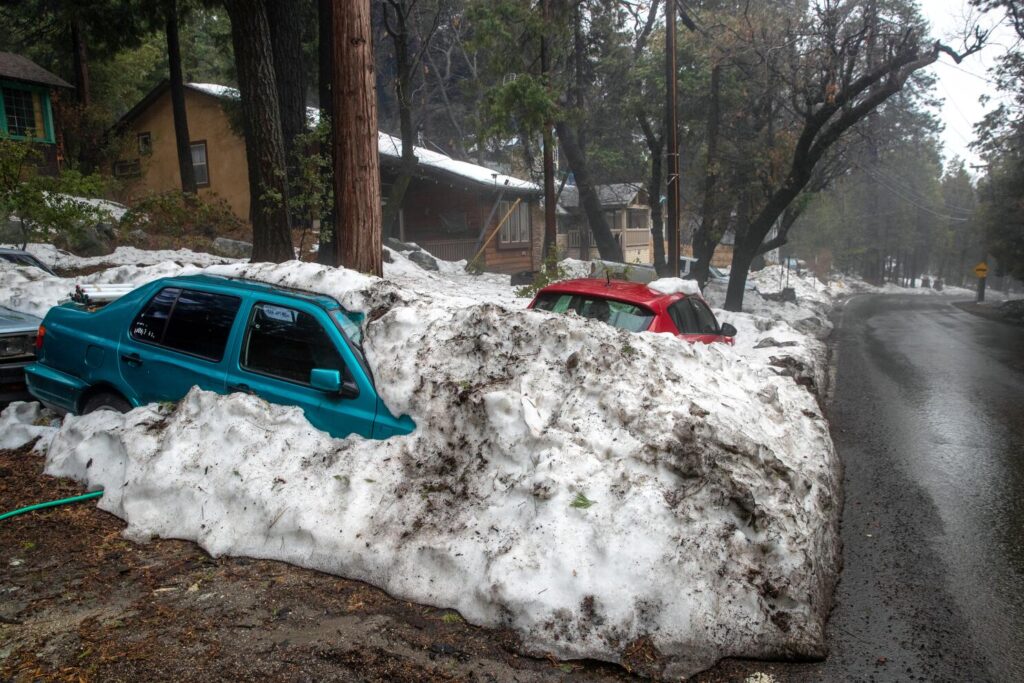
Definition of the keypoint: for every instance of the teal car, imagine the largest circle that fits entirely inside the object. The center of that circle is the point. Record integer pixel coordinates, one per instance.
(220, 334)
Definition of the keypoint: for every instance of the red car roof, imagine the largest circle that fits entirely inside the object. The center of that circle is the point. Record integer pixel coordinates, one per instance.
(620, 290)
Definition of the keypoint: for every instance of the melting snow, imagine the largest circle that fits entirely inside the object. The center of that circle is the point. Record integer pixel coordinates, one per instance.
(585, 486)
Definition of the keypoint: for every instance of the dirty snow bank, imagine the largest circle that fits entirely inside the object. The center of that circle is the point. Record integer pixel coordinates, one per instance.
(789, 337)
(595, 490)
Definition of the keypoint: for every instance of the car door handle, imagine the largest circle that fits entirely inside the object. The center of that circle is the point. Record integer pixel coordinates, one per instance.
(131, 358)
(243, 388)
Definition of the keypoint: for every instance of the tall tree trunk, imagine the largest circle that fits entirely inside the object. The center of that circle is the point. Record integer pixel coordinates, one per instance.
(264, 145)
(327, 253)
(80, 61)
(356, 159)
(181, 139)
(286, 19)
(607, 245)
(550, 227)
(403, 90)
(708, 235)
(655, 146)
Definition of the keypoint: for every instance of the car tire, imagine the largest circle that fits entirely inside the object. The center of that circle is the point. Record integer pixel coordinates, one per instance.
(106, 401)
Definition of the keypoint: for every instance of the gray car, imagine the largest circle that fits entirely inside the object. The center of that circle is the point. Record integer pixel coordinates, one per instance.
(19, 257)
(17, 349)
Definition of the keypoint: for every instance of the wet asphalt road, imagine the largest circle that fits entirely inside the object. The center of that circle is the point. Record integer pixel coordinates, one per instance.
(928, 418)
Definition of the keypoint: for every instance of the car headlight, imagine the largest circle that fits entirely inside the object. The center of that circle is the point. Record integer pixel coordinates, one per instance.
(12, 347)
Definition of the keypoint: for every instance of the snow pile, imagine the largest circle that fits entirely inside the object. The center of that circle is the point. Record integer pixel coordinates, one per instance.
(574, 268)
(592, 489)
(21, 422)
(784, 335)
(33, 291)
(674, 285)
(122, 256)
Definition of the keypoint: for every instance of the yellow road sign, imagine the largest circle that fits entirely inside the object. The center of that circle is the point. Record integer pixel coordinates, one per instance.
(981, 270)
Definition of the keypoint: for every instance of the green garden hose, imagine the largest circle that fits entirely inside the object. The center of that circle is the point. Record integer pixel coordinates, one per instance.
(52, 503)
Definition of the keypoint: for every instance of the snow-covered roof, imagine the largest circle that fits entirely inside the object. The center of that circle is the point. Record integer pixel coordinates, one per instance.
(216, 90)
(390, 146)
(610, 196)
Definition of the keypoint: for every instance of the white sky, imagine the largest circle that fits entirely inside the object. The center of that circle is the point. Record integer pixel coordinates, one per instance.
(960, 86)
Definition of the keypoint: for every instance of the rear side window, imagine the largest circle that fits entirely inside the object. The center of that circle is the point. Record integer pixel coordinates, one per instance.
(559, 303)
(189, 321)
(201, 322)
(288, 343)
(683, 316)
(150, 323)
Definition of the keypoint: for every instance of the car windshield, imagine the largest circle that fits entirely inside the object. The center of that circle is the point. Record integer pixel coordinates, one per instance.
(620, 314)
(351, 326)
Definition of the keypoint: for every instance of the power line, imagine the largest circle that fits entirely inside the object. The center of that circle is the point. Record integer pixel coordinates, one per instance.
(878, 174)
(888, 184)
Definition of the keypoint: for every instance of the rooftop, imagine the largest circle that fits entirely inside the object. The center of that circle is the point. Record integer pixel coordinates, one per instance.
(19, 68)
(391, 147)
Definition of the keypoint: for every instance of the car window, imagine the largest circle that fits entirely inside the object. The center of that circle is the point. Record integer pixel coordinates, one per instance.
(684, 317)
(619, 314)
(705, 318)
(550, 301)
(186, 320)
(200, 323)
(288, 343)
(151, 321)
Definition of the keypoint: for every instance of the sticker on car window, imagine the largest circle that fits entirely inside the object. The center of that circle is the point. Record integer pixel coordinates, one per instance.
(280, 314)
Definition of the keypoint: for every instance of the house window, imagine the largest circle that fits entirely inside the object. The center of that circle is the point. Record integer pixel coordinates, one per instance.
(127, 169)
(21, 112)
(25, 113)
(516, 230)
(199, 165)
(145, 144)
(637, 219)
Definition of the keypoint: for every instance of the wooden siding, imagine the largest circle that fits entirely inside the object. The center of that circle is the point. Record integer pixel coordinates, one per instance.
(433, 210)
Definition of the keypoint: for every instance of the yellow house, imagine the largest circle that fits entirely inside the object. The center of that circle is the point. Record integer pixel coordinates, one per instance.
(453, 208)
(149, 162)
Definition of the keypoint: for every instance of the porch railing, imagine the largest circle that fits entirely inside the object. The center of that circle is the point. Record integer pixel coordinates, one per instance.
(450, 250)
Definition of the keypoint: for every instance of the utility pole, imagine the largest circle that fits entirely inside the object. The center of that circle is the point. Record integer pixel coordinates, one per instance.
(672, 124)
(549, 155)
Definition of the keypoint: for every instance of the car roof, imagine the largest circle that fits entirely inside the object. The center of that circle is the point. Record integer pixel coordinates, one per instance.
(245, 285)
(620, 290)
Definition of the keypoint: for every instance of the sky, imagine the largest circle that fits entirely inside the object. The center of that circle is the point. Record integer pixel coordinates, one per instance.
(960, 86)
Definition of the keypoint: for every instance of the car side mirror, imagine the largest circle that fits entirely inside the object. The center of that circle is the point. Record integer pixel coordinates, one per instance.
(330, 382)
(728, 330)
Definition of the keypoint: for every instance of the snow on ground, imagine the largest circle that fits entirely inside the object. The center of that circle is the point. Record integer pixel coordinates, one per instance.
(585, 486)
(33, 291)
(582, 485)
(57, 258)
(21, 422)
(788, 336)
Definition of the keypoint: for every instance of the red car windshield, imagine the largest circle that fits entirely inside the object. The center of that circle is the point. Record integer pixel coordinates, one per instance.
(619, 314)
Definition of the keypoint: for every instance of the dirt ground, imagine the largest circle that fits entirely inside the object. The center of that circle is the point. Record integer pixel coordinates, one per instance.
(80, 603)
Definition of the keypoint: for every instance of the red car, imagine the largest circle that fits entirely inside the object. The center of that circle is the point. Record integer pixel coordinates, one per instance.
(635, 307)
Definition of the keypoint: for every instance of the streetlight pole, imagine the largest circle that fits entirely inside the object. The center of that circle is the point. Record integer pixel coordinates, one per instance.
(672, 123)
